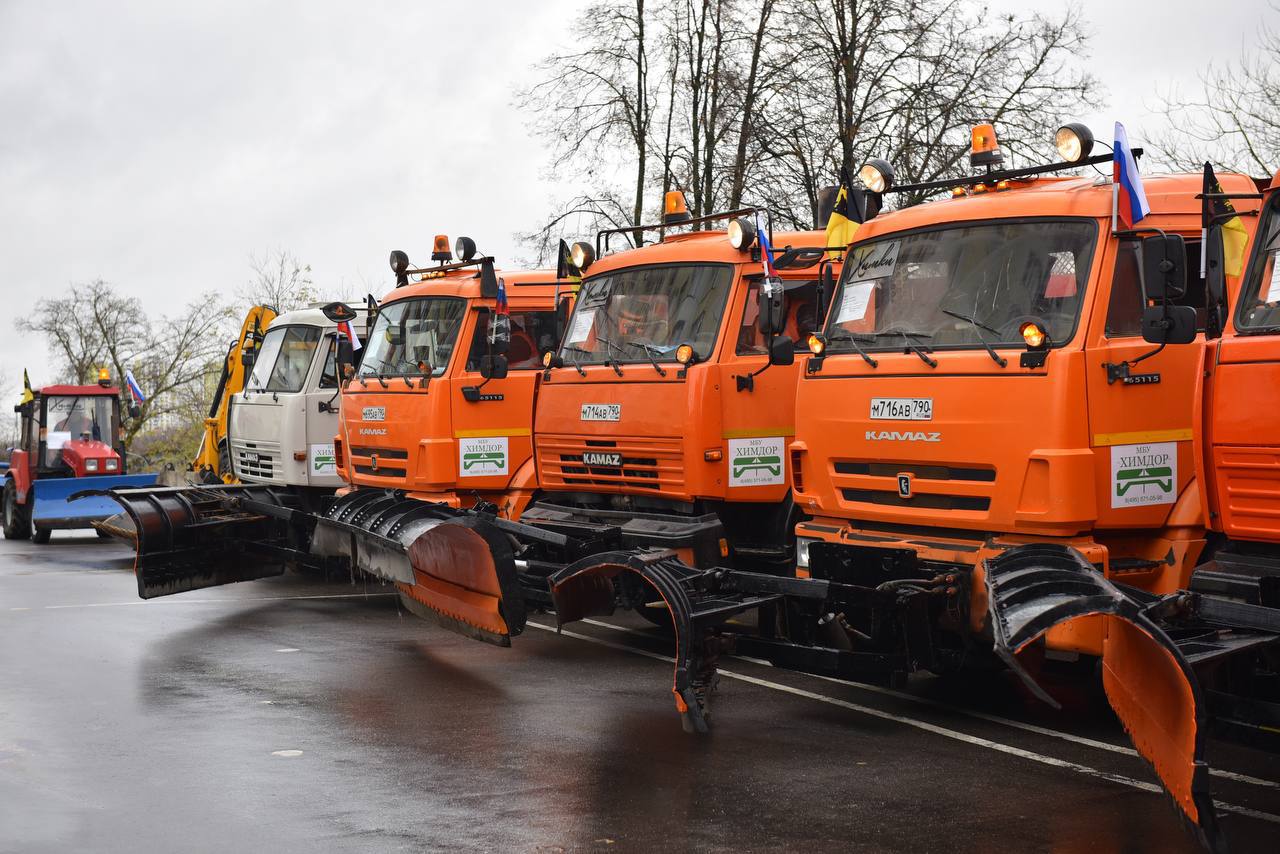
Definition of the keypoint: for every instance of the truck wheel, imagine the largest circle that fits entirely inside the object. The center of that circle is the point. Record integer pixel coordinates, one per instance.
(40, 535)
(17, 517)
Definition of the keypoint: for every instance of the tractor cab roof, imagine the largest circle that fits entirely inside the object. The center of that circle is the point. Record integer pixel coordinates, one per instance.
(80, 390)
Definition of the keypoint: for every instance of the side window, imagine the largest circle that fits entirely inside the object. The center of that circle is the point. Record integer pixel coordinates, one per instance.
(329, 375)
(532, 334)
(800, 309)
(1124, 309)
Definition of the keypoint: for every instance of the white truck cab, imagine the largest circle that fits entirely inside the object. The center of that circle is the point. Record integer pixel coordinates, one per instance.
(280, 428)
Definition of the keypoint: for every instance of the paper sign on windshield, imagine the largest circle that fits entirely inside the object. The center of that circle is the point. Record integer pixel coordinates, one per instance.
(873, 262)
(57, 439)
(1144, 474)
(581, 329)
(854, 301)
(1273, 289)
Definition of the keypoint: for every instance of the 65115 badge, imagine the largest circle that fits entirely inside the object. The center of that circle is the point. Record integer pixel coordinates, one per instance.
(1144, 474)
(756, 462)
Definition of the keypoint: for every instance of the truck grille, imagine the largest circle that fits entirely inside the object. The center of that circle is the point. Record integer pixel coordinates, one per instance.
(392, 462)
(257, 460)
(955, 487)
(653, 466)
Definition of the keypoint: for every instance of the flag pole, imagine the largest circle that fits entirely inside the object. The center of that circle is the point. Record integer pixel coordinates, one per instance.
(1115, 206)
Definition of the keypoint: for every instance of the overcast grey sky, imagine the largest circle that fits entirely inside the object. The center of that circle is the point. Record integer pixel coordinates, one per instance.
(158, 144)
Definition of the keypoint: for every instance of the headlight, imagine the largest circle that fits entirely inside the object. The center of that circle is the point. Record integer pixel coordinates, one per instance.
(112, 465)
(802, 551)
(581, 255)
(876, 175)
(1074, 142)
(90, 465)
(742, 233)
(399, 261)
(465, 248)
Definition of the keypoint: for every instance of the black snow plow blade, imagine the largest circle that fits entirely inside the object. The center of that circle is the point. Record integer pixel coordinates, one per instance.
(1147, 677)
(189, 538)
(455, 567)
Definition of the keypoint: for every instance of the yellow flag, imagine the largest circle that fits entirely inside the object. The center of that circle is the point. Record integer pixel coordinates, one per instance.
(840, 228)
(1234, 237)
(27, 394)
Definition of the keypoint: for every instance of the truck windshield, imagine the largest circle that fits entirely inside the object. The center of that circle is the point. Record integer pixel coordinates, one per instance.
(413, 337)
(647, 312)
(959, 286)
(284, 358)
(68, 418)
(1260, 296)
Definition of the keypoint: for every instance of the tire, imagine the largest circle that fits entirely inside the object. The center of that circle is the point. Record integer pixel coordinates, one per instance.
(17, 517)
(39, 535)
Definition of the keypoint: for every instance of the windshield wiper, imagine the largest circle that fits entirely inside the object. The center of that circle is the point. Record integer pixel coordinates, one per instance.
(651, 351)
(977, 330)
(853, 339)
(910, 346)
(577, 365)
(613, 363)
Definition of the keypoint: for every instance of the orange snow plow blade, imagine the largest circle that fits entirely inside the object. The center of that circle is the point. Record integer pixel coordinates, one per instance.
(1151, 687)
(452, 567)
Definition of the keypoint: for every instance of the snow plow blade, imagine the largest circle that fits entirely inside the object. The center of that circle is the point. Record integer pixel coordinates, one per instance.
(453, 567)
(190, 538)
(78, 502)
(1148, 681)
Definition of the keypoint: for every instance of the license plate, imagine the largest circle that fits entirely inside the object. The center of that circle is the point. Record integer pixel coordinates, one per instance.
(901, 409)
(601, 411)
(374, 413)
(597, 459)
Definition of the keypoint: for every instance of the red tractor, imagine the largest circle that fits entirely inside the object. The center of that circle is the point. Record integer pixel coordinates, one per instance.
(70, 442)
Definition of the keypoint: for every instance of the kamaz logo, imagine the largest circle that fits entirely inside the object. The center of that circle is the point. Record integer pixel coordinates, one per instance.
(902, 436)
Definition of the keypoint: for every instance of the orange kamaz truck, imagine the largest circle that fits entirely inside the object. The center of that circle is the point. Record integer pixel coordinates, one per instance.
(665, 413)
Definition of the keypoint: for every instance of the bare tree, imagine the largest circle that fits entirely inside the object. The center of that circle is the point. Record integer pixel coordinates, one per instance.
(1235, 119)
(96, 326)
(279, 280)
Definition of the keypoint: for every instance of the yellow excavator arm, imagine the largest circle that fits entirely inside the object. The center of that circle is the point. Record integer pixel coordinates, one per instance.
(212, 463)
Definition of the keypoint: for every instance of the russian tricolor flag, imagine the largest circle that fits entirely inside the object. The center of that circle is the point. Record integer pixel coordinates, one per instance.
(135, 390)
(766, 251)
(1131, 199)
(349, 330)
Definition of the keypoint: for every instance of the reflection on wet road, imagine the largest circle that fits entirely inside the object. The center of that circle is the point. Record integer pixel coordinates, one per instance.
(300, 715)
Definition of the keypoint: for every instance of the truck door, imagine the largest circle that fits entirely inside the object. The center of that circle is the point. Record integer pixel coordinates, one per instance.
(1243, 432)
(322, 416)
(1140, 425)
(493, 421)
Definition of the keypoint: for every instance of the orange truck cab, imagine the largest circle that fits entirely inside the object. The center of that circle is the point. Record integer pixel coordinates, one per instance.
(661, 418)
(419, 414)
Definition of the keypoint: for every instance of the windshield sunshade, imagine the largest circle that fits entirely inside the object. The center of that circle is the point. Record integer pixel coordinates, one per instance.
(635, 314)
(413, 337)
(958, 287)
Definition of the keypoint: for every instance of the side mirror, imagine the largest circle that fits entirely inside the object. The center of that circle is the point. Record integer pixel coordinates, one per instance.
(782, 350)
(772, 320)
(1169, 324)
(488, 280)
(395, 335)
(248, 357)
(1164, 267)
(338, 312)
(493, 367)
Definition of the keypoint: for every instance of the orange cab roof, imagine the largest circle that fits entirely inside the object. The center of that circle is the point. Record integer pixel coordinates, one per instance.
(705, 246)
(466, 283)
(1055, 196)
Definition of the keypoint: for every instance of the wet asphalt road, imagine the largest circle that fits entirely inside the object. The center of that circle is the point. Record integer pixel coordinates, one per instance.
(297, 715)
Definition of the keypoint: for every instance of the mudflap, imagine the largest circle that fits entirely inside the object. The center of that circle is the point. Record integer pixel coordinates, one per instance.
(454, 567)
(190, 538)
(1148, 681)
(588, 588)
